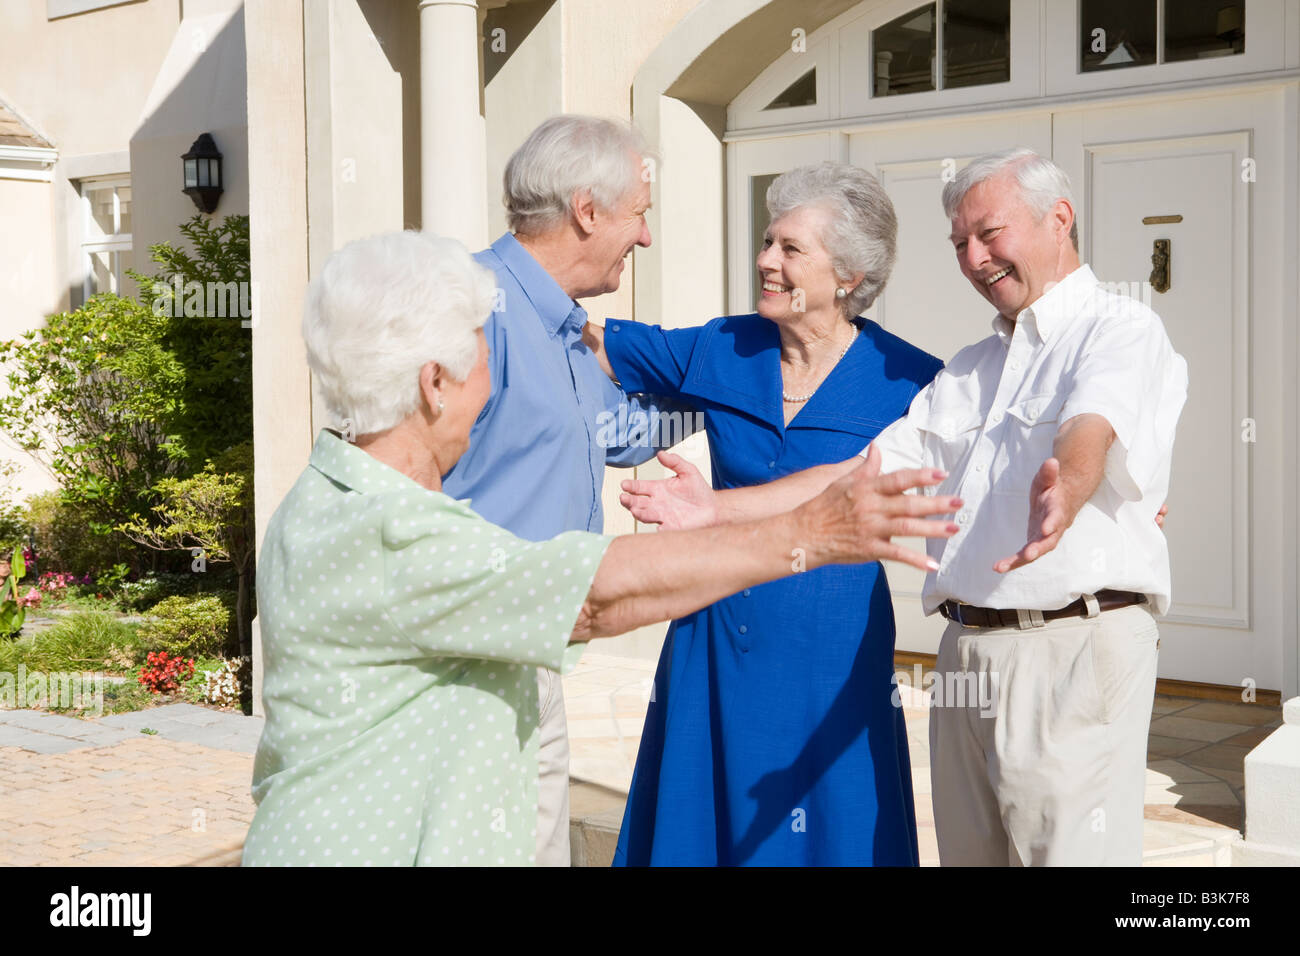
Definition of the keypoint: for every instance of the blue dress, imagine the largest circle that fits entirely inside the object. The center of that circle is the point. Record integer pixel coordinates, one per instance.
(771, 737)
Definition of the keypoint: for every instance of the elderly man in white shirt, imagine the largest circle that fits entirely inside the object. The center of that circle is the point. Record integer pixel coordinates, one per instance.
(1057, 433)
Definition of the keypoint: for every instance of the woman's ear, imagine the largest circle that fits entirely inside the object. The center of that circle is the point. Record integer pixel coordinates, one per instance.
(432, 379)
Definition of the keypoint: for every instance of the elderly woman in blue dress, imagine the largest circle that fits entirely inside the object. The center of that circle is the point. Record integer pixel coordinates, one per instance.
(401, 631)
(772, 737)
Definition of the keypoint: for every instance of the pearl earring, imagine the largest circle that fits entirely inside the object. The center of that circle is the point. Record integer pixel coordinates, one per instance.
(840, 294)
(440, 406)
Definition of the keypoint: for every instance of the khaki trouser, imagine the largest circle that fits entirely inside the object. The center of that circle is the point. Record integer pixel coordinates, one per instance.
(553, 776)
(1043, 763)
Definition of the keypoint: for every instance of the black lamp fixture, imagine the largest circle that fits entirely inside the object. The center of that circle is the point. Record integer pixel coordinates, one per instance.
(203, 173)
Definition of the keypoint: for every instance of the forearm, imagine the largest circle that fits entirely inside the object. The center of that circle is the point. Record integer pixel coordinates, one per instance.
(1081, 447)
(782, 495)
(645, 578)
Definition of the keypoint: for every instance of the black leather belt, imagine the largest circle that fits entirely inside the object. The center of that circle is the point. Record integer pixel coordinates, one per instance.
(969, 616)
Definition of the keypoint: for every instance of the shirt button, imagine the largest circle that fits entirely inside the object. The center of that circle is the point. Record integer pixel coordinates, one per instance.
(995, 418)
(980, 466)
(743, 629)
(746, 592)
(1015, 366)
(963, 517)
(614, 327)
(771, 464)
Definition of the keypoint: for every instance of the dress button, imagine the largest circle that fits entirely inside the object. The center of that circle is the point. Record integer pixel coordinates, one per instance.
(746, 592)
(614, 327)
(743, 629)
(771, 464)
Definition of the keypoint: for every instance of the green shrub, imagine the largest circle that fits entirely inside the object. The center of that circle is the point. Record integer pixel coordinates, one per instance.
(188, 626)
(88, 641)
(64, 541)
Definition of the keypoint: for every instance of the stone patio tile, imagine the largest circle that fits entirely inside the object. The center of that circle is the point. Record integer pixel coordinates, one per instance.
(1175, 771)
(1211, 794)
(1248, 714)
(1188, 728)
(1218, 757)
(45, 722)
(1251, 738)
(1158, 746)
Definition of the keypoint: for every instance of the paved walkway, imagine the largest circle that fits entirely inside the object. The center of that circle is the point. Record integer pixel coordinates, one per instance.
(103, 793)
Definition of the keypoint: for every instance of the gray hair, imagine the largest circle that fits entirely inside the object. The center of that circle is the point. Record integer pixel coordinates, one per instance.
(862, 232)
(1041, 182)
(566, 154)
(379, 310)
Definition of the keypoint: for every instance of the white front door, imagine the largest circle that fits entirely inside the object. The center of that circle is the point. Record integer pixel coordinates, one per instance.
(1187, 175)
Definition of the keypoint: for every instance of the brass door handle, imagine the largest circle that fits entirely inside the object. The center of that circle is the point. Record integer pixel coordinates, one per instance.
(1160, 263)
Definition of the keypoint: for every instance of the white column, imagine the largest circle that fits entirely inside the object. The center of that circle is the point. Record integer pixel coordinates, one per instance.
(1273, 797)
(453, 155)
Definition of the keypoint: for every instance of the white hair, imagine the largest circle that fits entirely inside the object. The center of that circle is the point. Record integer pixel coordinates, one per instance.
(379, 310)
(1041, 182)
(564, 155)
(862, 231)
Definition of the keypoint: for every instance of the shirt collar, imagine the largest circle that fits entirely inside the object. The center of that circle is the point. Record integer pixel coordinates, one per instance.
(347, 465)
(1054, 308)
(552, 304)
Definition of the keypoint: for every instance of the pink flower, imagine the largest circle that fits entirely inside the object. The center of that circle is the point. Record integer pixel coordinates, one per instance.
(31, 599)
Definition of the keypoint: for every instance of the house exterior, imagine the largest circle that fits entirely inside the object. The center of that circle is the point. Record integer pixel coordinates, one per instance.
(1179, 123)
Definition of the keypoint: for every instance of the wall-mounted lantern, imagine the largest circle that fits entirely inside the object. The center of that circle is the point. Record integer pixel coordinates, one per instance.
(203, 173)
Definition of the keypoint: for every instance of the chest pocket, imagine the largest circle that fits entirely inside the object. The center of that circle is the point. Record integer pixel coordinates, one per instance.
(1030, 431)
(948, 436)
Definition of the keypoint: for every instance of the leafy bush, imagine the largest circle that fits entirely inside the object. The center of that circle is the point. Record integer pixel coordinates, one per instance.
(64, 540)
(188, 626)
(88, 641)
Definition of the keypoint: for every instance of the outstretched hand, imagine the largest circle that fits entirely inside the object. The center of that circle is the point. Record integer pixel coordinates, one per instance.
(1048, 518)
(863, 511)
(679, 503)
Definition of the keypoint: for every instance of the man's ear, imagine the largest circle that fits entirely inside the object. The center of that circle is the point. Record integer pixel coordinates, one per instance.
(1062, 219)
(583, 208)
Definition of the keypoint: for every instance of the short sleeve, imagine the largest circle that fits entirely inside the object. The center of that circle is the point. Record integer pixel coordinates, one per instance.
(1130, 374)
(459, 586)
(649, 358)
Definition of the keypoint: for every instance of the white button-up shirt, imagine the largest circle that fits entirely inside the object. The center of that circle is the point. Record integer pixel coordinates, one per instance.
(990, 419)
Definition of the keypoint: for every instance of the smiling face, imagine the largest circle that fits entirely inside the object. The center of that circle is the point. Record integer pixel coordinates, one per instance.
(1006, 251)
(794, 265)
(615, 233)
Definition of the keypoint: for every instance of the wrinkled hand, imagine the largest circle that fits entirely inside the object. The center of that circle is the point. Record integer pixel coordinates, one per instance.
(679, 503)
(860, 513)
(1047, 518)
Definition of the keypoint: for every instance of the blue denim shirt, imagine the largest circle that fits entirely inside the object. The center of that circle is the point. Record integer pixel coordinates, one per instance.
(537, 453)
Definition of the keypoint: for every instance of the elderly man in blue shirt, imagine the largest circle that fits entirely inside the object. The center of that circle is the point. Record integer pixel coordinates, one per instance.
(576, 199)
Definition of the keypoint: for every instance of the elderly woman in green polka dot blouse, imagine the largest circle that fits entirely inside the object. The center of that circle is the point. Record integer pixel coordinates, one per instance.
(401, 631)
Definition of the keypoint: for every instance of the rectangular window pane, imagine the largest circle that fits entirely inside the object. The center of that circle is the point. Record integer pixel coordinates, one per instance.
(101, 212)
(101, 272)
(124, 207)
(903, 51)
(976, 42)
(1114, 34)
(1201, 29)
(758, 222)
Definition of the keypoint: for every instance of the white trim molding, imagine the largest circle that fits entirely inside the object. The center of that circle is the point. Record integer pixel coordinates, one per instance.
(34, 163)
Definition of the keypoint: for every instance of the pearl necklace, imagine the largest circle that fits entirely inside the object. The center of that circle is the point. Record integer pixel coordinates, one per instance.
(844, 351)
